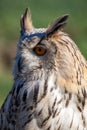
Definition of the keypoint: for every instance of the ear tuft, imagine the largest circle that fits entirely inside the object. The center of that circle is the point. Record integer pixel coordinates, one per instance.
(57, 25)
(26, 22)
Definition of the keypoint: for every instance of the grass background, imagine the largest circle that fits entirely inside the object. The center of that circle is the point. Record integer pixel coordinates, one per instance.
(43, 12)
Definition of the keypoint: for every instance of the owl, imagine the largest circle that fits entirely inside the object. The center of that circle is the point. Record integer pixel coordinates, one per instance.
(50, 81)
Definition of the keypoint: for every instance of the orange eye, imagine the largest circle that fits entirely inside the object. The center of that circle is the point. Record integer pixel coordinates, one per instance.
(39, 51)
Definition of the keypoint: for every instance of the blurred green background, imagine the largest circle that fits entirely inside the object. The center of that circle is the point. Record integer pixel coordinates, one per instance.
(43, 12)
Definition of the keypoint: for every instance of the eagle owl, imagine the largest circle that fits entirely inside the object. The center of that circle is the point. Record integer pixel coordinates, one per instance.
(50, 81)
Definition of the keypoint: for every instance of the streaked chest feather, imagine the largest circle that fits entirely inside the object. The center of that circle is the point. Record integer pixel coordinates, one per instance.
(56, 109)
(42, 105)
(60, 110)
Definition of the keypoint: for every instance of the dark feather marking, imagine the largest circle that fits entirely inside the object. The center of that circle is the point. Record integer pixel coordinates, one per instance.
(39, 113)
(24, 96)
(20, 85)
(28, 121)
(79, 98)
(58, 121)
(77, 77)
(84, 97)
(83, 102)
(59, 127)
(17, 102)
(30, 108)
(59, 112)
(79, 108)
(45, 88)
(49, 127)
(59, 101)
(54, 103)
(24, 107)
(51, 89)
(83, 118)
(47, 118)
(13, 90)
(84, 93)
(68, 100)
(13, 122)
(71, 121)
(30, 117)
(19, 64)
(54, 113)
(36, 90)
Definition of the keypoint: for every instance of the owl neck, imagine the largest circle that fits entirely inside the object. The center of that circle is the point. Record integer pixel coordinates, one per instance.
(74, 79)
(72, 66)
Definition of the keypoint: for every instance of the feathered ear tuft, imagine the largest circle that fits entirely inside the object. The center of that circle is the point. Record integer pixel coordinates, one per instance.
(26, 22)
(57, 25)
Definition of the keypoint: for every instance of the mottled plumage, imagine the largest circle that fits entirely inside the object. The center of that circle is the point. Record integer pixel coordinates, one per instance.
(50, 81)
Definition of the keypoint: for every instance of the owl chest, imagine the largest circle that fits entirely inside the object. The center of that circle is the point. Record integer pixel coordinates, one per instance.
(59, 112)
(49, 108)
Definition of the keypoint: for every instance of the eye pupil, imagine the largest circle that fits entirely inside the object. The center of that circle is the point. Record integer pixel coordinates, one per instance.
(39, 49)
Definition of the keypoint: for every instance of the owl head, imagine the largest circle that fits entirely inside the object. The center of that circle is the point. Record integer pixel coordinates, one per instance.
(45, 50)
